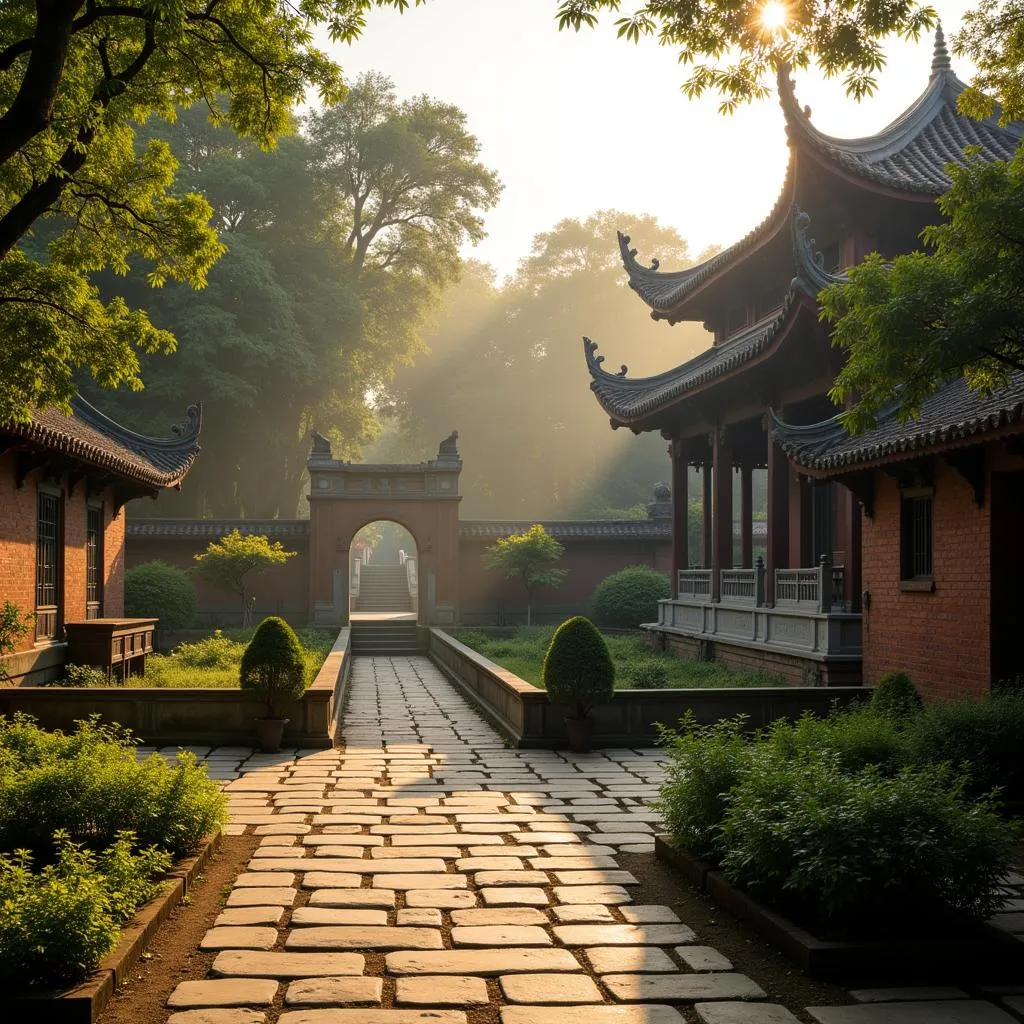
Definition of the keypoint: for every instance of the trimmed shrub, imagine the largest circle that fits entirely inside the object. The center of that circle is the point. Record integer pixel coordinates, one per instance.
(630, 596)
(896, 697)
(647, 674)
(273, 665)
(986, 736)
(578, 669)
(161, 590)
(862, 848)
(704, 764)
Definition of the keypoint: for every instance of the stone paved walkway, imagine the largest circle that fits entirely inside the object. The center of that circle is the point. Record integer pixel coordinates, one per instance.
(427, 875)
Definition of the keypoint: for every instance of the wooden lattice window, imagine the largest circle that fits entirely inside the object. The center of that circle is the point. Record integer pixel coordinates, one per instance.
(47, 565)
(916, 535)
(94, 563)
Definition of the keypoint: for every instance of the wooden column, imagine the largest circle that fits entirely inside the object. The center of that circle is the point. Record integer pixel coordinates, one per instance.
(680, 511)
(706, 545)
(852, 545)
(722, 521)
(778, 517)
(746, 515)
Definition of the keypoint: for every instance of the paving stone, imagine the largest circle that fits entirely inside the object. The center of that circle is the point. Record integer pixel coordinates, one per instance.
(265, 879)
(550, 988)
(489, 864)
(241, 937)
(349, 840)
(223, 992)
(590, 1015)
(629, 959)
(514, 896)
(583, 913)
(572, 863)
(681, 987)
(649, 914)
(744, 1013)
(423, 917)
(383, 898)
(330, 880)
(488, 962)
(394, 852)
(335, 992)
(335, 1016)
(217, 1017)
(304, 916)
(277, 897)
(623, 934)
(609, 894)
(249, 915)
(499, 916)
(363, 937)
(238, 963)
(906, 995)
(367, 866)
(451, 881)
(947, 1011)
(441, 991)
(446, 899)
(596, 878)
(703, 958)
(500, 935)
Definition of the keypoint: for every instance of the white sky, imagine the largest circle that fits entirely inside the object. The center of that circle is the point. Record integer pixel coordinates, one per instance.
(576, 123)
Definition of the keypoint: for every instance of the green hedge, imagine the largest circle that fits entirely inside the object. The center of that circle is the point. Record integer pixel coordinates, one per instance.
(161, 590)
(630, 597)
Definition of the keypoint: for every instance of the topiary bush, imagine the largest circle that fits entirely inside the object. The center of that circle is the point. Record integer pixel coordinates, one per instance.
(578, 669)
(647, 674)
(273, 665)
(896, 697)
(630, 596)
(160, 590)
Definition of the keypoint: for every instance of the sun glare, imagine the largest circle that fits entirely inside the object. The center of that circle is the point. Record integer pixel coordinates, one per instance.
(774, 15)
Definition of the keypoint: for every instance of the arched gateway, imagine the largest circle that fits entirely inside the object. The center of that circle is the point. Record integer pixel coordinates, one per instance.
(424, 498)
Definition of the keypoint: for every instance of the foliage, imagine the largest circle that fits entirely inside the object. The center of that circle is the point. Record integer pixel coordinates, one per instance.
(704, 764)
(992, 40)
(91, 785)
(339, 245)
(273, 665)
(230, 563)
(863, 848)
(985, 736)
(522, 652)
(896, 697)
(528, 557)
(840, 41)
(14, 627)
(647, 674)
(578, 670)
(630, 596)
(161, 590)
(856, 738)
(74, 84)
(214, 651)
(83, 675)
(931, 317)
(56, 924)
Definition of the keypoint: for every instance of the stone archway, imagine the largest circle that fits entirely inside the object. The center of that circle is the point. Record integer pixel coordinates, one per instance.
(424, 498)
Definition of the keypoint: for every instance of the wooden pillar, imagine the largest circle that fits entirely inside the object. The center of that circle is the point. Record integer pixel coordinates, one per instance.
(680, 511)
(706, 547)
(852, 545)
(721, 532)
(746, 515)
(778, 517)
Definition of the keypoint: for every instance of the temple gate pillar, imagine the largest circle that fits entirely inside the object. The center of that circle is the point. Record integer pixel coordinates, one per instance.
(721, 455)
(778, 517)
(746, 515)
(679, 451)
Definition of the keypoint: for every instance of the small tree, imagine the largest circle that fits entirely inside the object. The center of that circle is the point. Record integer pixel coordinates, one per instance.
(233, 561)
(528, 556)
(578, 669)
(13, 626)
(156, 588)
(273, 665)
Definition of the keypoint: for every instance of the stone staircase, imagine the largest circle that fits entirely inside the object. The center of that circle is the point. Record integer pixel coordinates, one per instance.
(385, 637)
(383, 588)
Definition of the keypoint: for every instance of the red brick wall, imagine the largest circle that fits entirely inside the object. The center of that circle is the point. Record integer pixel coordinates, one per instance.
(113, 558)
(940, 639)
(18, 545)
(74, 506)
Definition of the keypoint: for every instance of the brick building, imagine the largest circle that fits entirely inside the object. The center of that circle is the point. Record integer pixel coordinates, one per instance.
(64, 481)
(832, 601)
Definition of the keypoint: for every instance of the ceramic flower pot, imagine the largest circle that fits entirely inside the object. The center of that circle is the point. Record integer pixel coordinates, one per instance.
(579, 731)
(269, 732)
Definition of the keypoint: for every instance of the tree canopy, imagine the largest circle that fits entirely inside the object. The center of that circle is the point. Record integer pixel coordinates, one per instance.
(77, 78)
(528, 557)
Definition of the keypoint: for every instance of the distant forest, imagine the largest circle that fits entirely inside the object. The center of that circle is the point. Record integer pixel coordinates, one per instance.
(342, 303)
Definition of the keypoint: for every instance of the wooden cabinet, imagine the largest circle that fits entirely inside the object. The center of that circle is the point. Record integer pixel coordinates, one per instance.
(118, 646)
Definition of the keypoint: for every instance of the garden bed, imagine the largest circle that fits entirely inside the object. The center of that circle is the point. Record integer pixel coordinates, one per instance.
(968, 953)
(83, 1003)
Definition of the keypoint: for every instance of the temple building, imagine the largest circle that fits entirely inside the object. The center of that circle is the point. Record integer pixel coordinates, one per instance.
(64, 482)
(894, 550)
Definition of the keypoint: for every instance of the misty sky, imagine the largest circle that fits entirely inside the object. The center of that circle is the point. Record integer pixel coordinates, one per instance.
(575, 123)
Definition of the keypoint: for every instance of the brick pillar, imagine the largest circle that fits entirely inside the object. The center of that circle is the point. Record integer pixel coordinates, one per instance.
(746, 515)
(852, 547)
(680, 512)
(722, 521)
(706, 546)
(778, 517)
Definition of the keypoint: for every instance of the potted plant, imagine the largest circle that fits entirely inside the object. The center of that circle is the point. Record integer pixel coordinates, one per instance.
(578, 675)
(273, 666)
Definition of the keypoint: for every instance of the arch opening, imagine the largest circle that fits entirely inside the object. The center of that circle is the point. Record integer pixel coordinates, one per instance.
(384, 569)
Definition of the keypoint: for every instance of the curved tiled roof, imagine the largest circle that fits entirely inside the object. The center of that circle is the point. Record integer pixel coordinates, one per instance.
(91, 437)
(911, 153)
(953, 415)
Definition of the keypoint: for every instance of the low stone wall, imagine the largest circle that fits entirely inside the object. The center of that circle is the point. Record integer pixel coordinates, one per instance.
(164, 716)
(522, 712)
(35, 667)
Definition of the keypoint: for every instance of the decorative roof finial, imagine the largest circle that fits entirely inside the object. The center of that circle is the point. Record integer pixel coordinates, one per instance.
(940, 56)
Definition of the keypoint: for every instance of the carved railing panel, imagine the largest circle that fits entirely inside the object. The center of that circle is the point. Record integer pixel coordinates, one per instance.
(695, 584)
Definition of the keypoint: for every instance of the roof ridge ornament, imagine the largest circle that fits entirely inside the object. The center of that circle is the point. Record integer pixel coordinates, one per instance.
(629, 260)
(940, 56)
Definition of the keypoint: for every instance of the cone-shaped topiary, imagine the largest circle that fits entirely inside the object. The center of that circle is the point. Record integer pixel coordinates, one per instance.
(578, 670)
(273, 665)
(896, 696)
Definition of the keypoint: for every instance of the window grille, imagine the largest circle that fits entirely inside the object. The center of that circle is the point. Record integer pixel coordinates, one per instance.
(94, 563)
(47, 565)
(917, 538)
